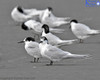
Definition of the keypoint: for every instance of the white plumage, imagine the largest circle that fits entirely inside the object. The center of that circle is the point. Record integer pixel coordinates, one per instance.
(20, 14)
(82, 31)
(37, 27)
(32, 48)
(51, 20)
(55, 54)
(54, 40)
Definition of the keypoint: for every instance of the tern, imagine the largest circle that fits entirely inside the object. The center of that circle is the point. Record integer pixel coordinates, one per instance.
(53, 53)
(32, 48)
(37, 27)
(82, 31)
(19, 14)
(51, 20)
(53, 39)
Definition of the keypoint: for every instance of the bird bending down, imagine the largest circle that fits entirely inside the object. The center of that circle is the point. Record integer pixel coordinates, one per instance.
(37, 27)
(32, 48)
(51, 20)
(20, 14)
(53, 53)
(82, 31)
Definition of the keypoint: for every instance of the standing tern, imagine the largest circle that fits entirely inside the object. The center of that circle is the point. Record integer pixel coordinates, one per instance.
(54, 40)
(55, 54)
(32, 48)
(82, 31)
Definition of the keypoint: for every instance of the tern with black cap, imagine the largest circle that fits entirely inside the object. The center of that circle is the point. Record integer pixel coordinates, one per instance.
(82, 31)
(32, 48)
(54, 53)
(53, 39)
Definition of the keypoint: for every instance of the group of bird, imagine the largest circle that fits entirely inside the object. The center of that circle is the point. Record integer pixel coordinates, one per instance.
(44, 23)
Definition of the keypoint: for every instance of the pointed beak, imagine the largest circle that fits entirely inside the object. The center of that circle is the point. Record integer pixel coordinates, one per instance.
(21, 42)
(41, 42)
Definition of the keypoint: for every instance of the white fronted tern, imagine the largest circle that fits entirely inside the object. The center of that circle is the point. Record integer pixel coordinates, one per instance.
(82, 31)
(20, 14)
(37, 27)
(53, 53)
(51, 20)
(54, 40)
(32, 48)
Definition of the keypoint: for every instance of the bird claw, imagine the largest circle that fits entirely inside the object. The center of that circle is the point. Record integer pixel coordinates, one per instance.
(32, 62)
(48, 64)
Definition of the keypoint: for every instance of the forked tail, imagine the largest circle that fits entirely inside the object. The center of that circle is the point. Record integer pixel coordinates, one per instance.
(68, 42)
(55, 30)
(78, 56)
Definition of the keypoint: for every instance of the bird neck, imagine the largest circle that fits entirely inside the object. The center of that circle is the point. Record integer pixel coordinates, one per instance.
(46, 14)
(28, 43)
(44, 32)
(73, 24)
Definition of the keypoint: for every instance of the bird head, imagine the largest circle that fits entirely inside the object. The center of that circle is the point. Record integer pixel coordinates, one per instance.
(45, 28)
(19, 8)
(43, 39)
(73, 21)
(50, 8)
(28, 39)
(24, 27)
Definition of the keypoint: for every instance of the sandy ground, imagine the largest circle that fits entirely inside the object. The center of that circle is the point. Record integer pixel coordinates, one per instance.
(14, 61)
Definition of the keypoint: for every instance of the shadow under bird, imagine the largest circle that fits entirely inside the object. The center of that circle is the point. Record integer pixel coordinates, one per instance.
(32, 48)
(82, 31)
(54, 54)
(53, 39)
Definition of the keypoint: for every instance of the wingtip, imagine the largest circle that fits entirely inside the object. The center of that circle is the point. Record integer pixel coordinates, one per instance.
(88, 56)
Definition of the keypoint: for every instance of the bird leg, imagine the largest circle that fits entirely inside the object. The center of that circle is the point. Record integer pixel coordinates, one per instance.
(81, 41)
(34, 60)
(37, 60)
(51, 63)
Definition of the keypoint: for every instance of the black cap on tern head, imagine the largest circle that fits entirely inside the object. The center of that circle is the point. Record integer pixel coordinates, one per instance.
(23, 26)
(50, 8)
(20, 9)
(46, 28)
(44, 38)
(29, 39)
(74, 20)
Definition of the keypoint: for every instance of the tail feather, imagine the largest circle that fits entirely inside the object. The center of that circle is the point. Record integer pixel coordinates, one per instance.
(53, 30)
(59, 23)
(77, 56)
(66, 18)
(68, 42)
(94, 32)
